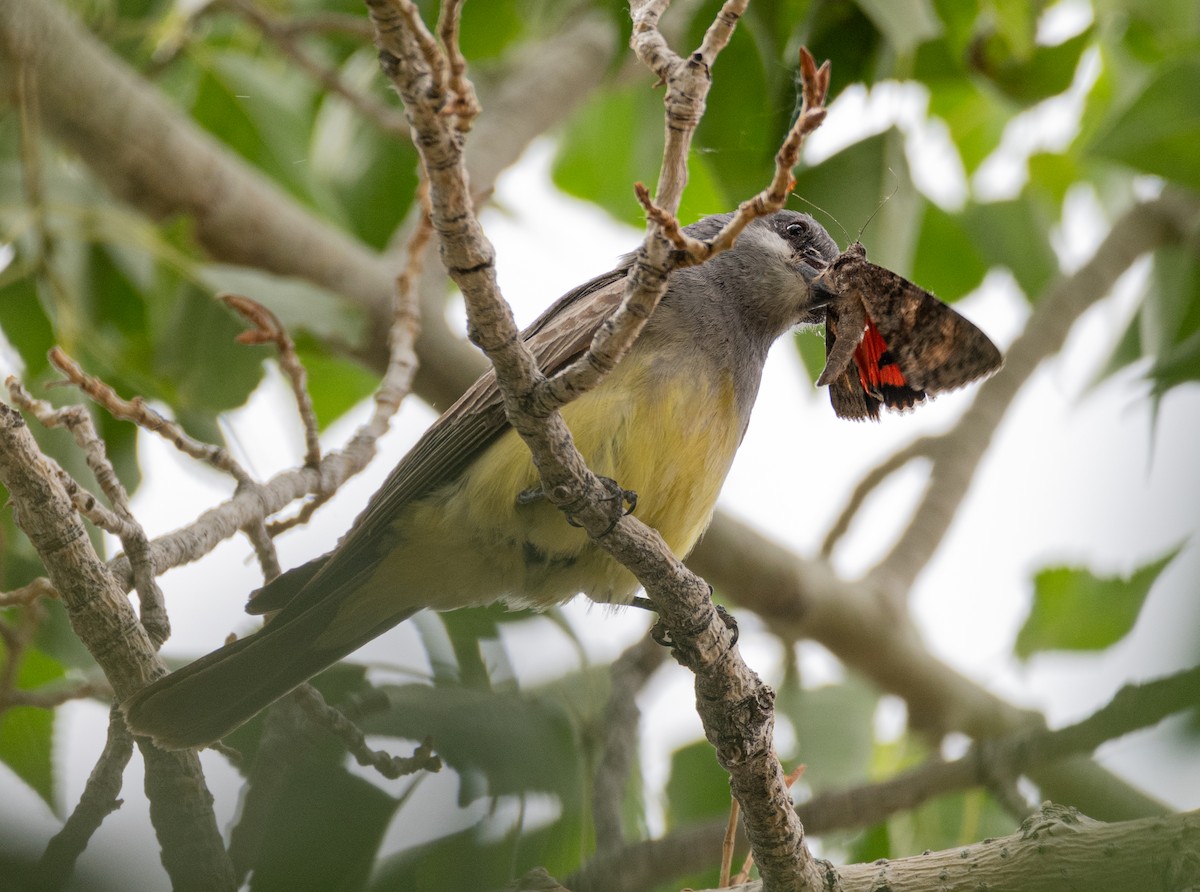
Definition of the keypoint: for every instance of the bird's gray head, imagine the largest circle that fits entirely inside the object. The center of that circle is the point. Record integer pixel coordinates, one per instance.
(769, 270)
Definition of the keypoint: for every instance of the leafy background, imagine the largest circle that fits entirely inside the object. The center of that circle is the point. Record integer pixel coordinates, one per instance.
(999, 141)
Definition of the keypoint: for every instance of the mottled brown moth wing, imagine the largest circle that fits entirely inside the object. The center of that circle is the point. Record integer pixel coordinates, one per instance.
(849, 398)
(912, 344)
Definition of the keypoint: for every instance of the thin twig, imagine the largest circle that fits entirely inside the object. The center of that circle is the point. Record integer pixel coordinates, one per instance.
(99, 800)
(180, 803)
(629, 674)
(727, 843)
(268, 330)
(464, 104)
(57, 696)
(264, 548)
(352, 737)
(397, 379)
(28, 593)
(326, 23)
(617, 334)
(701, 639)
(717, 37)
(1134, 707)
(139, 413)
(920, 448)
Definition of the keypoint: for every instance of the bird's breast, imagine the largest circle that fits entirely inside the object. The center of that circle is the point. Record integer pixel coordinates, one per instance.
(669, 437)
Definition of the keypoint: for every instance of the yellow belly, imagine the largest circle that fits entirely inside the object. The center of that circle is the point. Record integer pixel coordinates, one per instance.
(470, 542)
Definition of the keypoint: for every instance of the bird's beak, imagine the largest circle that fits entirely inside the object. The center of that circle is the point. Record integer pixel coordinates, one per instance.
(820, 293)
(814, 260)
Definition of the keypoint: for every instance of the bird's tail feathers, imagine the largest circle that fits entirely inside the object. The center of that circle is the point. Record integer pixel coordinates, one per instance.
(205, 700)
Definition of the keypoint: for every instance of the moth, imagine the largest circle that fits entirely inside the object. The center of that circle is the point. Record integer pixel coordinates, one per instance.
(891, 343)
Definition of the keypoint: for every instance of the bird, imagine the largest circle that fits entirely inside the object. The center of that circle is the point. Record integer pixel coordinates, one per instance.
(461, 520)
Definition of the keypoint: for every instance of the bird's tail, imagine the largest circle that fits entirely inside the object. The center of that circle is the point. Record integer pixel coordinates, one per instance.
(205, 700)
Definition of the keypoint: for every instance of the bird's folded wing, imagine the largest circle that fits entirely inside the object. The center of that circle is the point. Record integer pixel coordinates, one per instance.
(556, 337)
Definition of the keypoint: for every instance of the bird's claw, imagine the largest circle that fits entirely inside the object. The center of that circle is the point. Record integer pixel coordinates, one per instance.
(623, 502)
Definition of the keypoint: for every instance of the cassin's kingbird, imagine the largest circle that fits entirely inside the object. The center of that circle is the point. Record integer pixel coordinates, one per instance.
(458, 522)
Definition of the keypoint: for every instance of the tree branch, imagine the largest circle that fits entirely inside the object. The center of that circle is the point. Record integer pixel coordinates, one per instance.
(97, 105)
(98, 801)
(630, 671)
(735, 707)
(988, 763)
(1054, 850)
(180, 804)
(874, 634)
(120, 521)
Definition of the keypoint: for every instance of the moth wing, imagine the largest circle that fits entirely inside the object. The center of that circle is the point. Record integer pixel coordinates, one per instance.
(846, 392)
(934, 347)
(849, 400)
(845, 321)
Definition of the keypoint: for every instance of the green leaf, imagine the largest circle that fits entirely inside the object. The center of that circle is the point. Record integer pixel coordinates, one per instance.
(115, 303)
(323, 832)
(698, 787)
(871, 845)
(1047, 71)
(1167, 325)
(975, 117)
(483, 857)
(959, 819)
(298, 304)
(369, 177)
(843, 32)
(58, 640)
(200, 368)
(737, 139)
(1052, 174)
(25, 325)
(947, 261)
(1171, 317)
(1180, 366)
(905, 23)
(469, 632)
(1127, 351)
(489, 28)
(868, 180)
(19, 562)
(27, 732)
(335, 384)
(1015, 234)
(498, 762)
(697, 790)
(596, 165)
(260, 109)
(1073, 609)
(1158, 132)
(834, 727)
(959, 22)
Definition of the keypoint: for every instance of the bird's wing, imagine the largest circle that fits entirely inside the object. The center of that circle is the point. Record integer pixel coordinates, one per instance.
(556, 337)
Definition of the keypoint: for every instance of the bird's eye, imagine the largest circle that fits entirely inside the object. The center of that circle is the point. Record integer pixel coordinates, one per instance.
(797, 228)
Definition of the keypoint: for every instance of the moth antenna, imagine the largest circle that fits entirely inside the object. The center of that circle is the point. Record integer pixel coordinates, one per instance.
(879, 207)
(813, 204)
